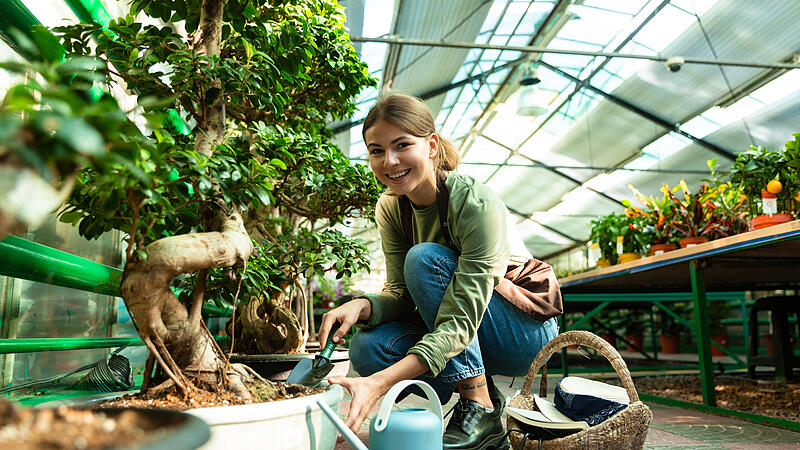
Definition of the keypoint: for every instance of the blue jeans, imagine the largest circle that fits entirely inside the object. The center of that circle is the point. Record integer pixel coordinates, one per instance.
(506, 342)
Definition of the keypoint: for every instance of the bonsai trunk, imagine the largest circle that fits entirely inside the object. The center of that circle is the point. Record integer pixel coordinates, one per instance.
(263, 326)
(176, 337)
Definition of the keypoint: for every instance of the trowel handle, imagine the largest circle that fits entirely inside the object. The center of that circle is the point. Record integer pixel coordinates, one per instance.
(382, 418)
(328, 350)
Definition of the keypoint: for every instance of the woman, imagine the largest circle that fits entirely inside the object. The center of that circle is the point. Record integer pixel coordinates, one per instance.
(461, 330)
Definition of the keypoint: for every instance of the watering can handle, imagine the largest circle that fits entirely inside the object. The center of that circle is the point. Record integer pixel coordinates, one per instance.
(382, 418)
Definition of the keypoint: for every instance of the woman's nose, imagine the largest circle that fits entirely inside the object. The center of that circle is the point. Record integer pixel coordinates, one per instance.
(390, 159)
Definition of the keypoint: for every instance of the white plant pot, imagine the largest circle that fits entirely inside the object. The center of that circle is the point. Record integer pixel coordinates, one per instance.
(298, 423)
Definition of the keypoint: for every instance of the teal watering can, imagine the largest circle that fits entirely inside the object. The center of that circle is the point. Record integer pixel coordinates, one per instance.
(399, 429)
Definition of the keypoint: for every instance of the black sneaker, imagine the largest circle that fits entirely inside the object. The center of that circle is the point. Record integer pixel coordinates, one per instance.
(472, 427)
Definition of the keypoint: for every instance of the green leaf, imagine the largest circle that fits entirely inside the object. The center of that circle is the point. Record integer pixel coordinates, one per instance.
(262, 195)
(277, 163)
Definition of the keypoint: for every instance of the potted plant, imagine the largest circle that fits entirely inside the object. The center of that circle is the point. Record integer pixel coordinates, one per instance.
(604, 232)
(730, 211)
(657, 219)
(717, 312)
(694, 218)
(609, 322)
(635, 237)
(769, 182)
(669, 329)
(250, 88)
(633, 326)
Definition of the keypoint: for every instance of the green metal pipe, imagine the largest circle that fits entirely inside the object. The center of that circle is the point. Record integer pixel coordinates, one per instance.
(56, 344)
(20, 258)
(90, 11)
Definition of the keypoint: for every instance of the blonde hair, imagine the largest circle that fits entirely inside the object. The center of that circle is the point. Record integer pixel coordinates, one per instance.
(412, 115)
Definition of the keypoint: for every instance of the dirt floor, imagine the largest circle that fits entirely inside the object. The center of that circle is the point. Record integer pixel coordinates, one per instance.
(767, 398)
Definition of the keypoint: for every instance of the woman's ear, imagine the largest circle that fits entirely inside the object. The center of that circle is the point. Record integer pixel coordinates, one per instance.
(433, 145)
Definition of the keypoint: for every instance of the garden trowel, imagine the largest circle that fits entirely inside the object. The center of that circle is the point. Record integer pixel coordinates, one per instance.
(310, 372)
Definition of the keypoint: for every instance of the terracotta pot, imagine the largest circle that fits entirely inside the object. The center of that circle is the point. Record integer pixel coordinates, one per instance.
(610, 338)
(721, 339)
(603, 263)
(628, 257)
(768, 220)
(692, 241)
(657, 249)
(637, 340)
(769, 344)
(670, 343)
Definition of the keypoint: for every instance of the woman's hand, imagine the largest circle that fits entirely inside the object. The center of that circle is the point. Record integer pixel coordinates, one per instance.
(346, 316)
(366, 392)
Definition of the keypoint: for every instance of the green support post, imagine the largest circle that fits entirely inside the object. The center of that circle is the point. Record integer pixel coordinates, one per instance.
(702, 332)
(20, 258)
(56, 344)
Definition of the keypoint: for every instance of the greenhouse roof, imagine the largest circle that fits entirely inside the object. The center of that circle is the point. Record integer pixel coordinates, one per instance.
(615, 114)
(610, 121)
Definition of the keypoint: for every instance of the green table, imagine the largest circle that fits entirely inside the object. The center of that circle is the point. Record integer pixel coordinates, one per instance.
(758, 260)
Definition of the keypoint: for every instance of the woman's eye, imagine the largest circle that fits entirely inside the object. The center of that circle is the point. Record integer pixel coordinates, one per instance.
(376, 151)
(402, 145)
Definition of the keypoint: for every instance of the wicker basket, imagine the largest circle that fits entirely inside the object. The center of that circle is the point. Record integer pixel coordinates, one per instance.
(625, 430)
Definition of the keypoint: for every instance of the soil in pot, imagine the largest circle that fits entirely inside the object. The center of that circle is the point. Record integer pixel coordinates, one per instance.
(692, 241)
(768, 220)
(657, 249)
(65, 427)
(198, 398)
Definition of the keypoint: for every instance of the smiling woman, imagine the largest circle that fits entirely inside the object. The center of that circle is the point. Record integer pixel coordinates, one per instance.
(448, 244)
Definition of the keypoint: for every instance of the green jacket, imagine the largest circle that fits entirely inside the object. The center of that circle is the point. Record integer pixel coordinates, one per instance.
(478, 223)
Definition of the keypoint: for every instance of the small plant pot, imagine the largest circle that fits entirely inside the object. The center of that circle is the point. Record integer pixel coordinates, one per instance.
(628, 257)
(637, 340)
(670, 343)
(769, 344)
(721, 339)
(657, 249)
(603, 263)
(610, 338)
(768, 220)
(692, 241)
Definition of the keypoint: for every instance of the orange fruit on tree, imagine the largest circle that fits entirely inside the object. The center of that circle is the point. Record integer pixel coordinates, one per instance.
(797, 196)
(774, 187)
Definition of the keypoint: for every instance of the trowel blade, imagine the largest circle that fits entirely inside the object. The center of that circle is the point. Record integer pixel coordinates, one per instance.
(309, 372)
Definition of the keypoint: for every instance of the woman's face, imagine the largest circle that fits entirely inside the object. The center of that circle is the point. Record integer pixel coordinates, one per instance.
(402, 161)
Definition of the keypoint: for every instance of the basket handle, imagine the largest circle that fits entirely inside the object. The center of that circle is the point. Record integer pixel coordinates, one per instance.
(580, 337)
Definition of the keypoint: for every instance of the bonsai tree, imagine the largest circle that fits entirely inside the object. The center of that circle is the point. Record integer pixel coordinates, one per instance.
(759, 169)
(254, 83)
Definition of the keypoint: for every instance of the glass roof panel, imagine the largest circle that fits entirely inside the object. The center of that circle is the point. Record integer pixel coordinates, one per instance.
(51, 14)
(511, 18)
(593, 25)
(670, 23)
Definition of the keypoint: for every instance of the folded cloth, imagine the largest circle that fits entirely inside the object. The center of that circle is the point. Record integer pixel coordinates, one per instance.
(587, 400)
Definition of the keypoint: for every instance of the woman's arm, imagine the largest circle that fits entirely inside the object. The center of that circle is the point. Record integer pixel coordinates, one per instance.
(366, 391)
